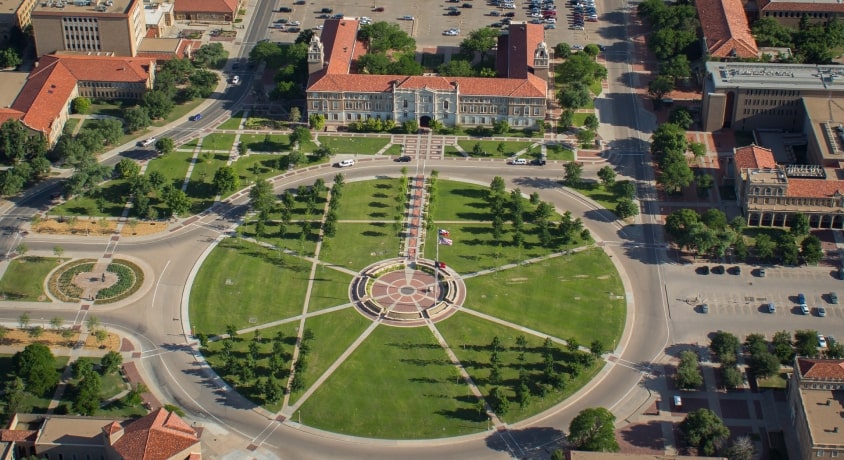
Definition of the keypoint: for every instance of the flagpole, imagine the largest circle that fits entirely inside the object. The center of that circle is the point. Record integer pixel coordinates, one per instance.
(437, 271)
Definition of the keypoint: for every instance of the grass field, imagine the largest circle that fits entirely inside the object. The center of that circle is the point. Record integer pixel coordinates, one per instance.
(369, 200)
(394, 150)
(333, 333)
(397, 385)
(36, 404)
(471, 337)
(598, 193)
(218, 141)
(557, 152)
(358, 245)
(264, 165)
(573, 288)
(460, 201)
(451, 151)
(173, 166)
(190, 144)
(113, 194)
(362, 145)
(245, 286)
(291, 239)
(273, 143)
(331, 288)
(233, 122)
(201, 187)
(491, 147)
(579, 118)
(24, 279)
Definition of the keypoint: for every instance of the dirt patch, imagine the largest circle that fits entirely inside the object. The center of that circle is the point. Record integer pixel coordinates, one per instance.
(96, 227)
(21, 338)
(604, 277)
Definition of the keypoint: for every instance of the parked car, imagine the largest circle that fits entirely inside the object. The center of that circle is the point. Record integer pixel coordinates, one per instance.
(195, 117)
(235, 80)
(704, 308)
(380, 9)
(736, 270)
(833, 298)
(285, 9)
(804, 309)
(327, 10)
(403, 159)
(821, 341)
(538, 162)
(772, 308)
(821, 311)
(801, 298)
(518, 161)
(718, 269)
(346, 163)
(406, 18)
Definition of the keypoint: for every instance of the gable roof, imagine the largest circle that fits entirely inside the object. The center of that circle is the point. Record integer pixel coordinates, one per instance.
(821, 368)
(516, 49)
(205, 6)
(339, 38)
(51, 83)
(754, 157)
(814, 188)
(156, 436)
(725, 29)
(807, 7)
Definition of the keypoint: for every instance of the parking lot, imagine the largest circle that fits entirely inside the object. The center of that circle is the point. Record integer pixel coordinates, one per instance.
(430, 20)
(738, 303)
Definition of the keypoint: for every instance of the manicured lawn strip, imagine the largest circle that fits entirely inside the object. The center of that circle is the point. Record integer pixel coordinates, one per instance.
(178, 111)
(333, 333)
(579, 118)
(173, 166)
(471, 337)
(397, 385)
(394, 150)
(474, 248)
(598, 193)
(331, 288)
(558, 296)
(491, 147)
(190, 144)
(451, 151)
(241, 281)
(24, 279)
(776, 382)
(596, 88)
(201, 187)
(114, 194)
(120, 409)
(291, 239)
(369, 200)
(240, 352)
(218, 141)
(557, 152)
(461, 201)
(233, 122)
(362, 145)
(277, 143)
(358, 245)
(265, 163)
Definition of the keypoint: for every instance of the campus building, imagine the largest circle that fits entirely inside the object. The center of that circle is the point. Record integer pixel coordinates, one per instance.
(746, 96)
(109, 27)
(815, 403)
(790, 12)
(770, 194)
(210, 11)
(726, 32)
(517, 95)
(583, 455)
(43, 105)
(159, 435)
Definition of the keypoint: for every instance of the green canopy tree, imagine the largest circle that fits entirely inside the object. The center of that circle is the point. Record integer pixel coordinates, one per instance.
(593, 430)
(36, 366)
(688, 372)
(703, 429)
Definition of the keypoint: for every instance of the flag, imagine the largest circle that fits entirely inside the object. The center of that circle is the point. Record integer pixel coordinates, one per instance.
(446, 241)
(444, 233)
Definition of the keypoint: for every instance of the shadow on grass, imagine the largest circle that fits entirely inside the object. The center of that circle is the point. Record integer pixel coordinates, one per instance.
(478, 194)
(378, 204)
(383, 186)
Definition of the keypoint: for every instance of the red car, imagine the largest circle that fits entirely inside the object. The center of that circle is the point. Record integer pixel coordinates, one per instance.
(380, 9)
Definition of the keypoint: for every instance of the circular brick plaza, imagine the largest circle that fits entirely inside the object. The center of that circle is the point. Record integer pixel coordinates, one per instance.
(407, 294)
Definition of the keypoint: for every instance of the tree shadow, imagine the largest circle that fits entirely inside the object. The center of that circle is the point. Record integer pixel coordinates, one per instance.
(527, 439)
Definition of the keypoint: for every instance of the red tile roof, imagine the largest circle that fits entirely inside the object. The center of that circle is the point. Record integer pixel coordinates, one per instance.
(807, 7)
(18, 435)
(206, 6)
(518, 48)
(51, 83)
(725, 28)
(754, 156)
(821, 368)
(157, 436)
(112, 428)
(814, 188)
(339, 37)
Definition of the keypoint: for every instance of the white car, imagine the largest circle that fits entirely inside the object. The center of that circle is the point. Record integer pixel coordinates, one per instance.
(519, 161)
(147, 142)
(346, 163)
(550, 21)
(821, 341)
(294, 23)
(235, 80)
(407, 18)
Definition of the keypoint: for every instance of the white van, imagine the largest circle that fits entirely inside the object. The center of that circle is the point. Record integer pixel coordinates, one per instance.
(235, 80)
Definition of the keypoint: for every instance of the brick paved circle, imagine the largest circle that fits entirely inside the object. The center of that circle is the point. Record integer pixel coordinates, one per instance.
(406, 293)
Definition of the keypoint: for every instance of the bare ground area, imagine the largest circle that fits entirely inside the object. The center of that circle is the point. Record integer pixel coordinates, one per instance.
(97, 227)
(53, 339)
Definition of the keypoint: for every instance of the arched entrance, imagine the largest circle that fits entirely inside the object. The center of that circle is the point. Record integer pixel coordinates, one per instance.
(425, 122)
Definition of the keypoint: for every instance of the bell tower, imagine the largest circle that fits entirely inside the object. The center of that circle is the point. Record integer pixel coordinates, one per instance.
(540, 61)
(316, 55)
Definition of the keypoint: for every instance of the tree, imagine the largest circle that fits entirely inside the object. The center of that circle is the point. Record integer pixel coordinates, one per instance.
(456, 68)
(295, 115)
(23, 320)
(731, 376)
(781, 347)
(724, 345)
(741, 449)
(573, 174)
(811, 250)
(764, 364)
(128, 168)
(165, 145)
(585, 137)
(211, 55)
(87, 394)
(607, 176)
(591, 122)
(177, 202)
(704, 430)
(681, 116)
(625, 207)
(562, 50)
(676, 67)
(226, 180)
(158, 103)
(593, 430)
(764, 247)
(479, 41)
(698, 149)
(714, 219)
(499, 401)
(675, 175)
(806, 342)
(566, 119)
(111, 362)
(36, 366)
(800, 224)
(688, 373)
(574, 95)
(788, 249)
(136, 118)
(80, 105)
(660, 86)
(9, 57)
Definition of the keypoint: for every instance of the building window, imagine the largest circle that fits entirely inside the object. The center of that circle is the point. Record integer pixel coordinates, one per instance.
(445, 105)
(405, 103)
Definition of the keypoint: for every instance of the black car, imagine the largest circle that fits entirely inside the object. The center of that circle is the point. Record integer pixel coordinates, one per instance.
(326, 10)
(403, 159)
(510, 15)
(537, 162)
(285, 9)
(718, 269)
(300, 2)
(467, 5)
(454, 13)
(704, 270)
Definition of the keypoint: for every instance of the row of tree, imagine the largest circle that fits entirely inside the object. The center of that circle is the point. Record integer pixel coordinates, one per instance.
(669, 146)
(709, 234)
(25, 152)
(811, 42)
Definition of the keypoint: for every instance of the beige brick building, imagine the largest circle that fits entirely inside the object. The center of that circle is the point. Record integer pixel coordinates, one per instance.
(112, 27)
(815, 395)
